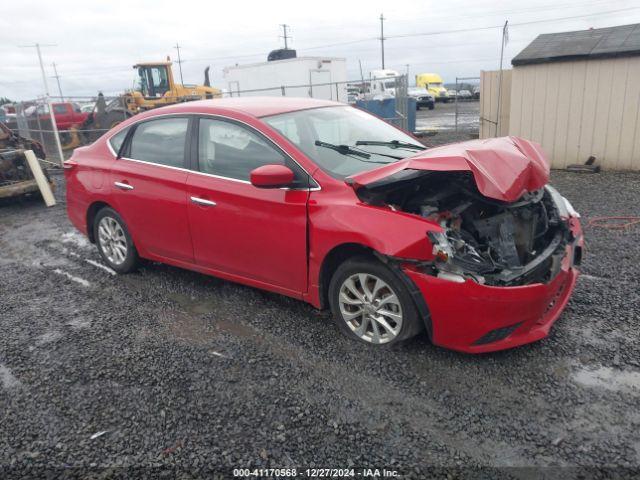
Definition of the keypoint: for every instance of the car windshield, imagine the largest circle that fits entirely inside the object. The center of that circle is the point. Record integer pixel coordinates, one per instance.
(331, 135)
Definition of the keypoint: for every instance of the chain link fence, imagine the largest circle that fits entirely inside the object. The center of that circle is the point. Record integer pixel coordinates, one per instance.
(467, 113)
(61, 124)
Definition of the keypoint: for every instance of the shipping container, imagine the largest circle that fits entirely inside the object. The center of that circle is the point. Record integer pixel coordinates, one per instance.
(316, 77)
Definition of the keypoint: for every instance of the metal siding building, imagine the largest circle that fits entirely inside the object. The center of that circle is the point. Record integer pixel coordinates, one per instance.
(578, 94)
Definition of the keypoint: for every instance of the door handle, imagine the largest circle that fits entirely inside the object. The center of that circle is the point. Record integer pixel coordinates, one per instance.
(202, 201)
(123, 186)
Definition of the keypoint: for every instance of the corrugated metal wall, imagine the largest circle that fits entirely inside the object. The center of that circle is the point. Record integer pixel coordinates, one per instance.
(580, 108)
(489, 86)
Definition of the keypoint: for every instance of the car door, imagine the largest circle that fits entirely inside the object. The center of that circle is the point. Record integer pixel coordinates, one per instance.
(241, 230)
(149, 187)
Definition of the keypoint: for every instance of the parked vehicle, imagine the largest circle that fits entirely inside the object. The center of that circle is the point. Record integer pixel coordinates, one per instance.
(326, 203)
(67, 114)
(383, 82)
(354, 94)
(434, 85)
(423, 98)
(464, 95)
(476, 92)
(452, 93)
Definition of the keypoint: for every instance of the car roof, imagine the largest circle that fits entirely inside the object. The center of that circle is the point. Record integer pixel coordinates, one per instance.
(255, 106)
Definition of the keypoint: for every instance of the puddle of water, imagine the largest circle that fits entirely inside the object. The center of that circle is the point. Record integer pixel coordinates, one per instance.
(7, 378)
(192, 305)
(608, 378)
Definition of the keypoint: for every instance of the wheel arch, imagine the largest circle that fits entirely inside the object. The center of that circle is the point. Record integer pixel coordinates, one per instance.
(340, 253)
(92, 211)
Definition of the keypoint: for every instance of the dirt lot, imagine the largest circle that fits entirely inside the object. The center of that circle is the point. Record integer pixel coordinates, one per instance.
(187, 371)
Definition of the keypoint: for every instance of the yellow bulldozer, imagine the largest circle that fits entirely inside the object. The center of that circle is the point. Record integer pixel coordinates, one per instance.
(155, 88)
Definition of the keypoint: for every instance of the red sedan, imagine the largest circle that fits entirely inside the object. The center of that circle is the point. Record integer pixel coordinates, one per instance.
(328, 204)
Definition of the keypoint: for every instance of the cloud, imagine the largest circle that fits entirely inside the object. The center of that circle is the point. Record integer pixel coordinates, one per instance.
(97, 43)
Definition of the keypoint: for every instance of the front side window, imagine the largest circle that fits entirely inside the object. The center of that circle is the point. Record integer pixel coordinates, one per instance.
(230, 150)
(160, 141)
(344, 140)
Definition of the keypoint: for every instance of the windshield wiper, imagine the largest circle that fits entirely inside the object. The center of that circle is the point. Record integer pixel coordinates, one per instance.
(392, 144)
(343, 149)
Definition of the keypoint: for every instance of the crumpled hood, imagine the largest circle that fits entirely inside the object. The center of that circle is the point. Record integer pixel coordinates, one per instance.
(503, 168)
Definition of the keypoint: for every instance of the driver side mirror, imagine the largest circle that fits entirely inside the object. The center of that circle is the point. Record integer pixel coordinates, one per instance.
(271, 176)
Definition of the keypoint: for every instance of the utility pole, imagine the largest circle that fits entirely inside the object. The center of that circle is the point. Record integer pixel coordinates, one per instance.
(57, 77)
(48, 99)
(177, 47)
(407, 65)
(382, 37)
(284, 35)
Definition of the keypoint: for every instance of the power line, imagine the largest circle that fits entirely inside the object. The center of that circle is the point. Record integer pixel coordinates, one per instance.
(473, 29)
(397, 36)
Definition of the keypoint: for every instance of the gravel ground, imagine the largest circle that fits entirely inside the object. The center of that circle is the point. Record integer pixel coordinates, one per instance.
(184, 371)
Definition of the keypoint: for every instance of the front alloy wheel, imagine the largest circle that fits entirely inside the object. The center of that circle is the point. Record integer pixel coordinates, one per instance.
(370, 308)
(371, 303)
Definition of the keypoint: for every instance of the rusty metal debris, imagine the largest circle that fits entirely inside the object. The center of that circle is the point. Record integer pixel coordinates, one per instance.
(16, 177)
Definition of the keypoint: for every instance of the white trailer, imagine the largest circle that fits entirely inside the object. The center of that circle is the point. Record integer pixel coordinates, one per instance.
(313, 77)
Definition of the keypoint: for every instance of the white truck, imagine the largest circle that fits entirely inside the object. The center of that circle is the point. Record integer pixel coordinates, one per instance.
(382, 83)
(313, 77)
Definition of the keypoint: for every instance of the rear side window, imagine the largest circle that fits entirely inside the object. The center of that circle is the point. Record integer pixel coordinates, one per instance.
(160, 141)
(117, 140)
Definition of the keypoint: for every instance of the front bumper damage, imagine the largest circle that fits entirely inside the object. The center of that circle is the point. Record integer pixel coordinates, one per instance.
(475, 318)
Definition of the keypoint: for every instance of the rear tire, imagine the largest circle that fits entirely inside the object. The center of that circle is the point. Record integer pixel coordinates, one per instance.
(371, 304)
(114, 241)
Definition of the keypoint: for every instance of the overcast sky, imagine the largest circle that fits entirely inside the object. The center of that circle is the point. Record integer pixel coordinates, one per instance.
(98, 42)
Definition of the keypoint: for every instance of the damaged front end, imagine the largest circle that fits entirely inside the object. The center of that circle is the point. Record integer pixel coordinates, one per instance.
(500, 224)
(502, 244)
(490, 241)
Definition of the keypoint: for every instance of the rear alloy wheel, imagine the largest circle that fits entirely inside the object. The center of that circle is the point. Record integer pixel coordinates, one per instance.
(114, 242)
(371, 304)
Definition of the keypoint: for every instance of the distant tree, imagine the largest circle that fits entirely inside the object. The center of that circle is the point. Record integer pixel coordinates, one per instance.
(4, 100)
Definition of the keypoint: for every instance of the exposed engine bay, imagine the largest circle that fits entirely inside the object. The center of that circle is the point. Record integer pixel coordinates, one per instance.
(490, 241)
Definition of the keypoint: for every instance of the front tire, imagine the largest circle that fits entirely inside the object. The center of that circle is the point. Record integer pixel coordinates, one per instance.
(114, 241)
(371, 304)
